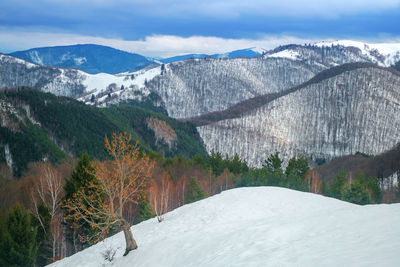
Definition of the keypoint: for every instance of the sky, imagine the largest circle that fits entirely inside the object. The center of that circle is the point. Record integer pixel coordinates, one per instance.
(163, 28)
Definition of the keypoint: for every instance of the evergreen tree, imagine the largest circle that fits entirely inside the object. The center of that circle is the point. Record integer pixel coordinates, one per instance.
(356, 193)
(18, 245)
(194, 191)
(337, 186)
(273, 163)
(216, 163)
(297, 166)
(82, 176)
(42, 238)
(145, 209)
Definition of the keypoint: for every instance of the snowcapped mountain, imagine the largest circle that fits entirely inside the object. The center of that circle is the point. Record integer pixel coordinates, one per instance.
(343, 110)
(329, 53)
(89, 58)
(262, 226)
(74, 83)
(194, 87)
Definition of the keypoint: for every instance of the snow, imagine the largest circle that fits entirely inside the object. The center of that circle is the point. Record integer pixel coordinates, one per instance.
(390, 51)
(262, 226)
(259, 50)
(97, 83)
(290, 54)
(8, 59)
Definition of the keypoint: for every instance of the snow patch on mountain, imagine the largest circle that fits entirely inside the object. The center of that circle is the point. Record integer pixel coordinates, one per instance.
(261, 226)
(290, 54)
(383, 54)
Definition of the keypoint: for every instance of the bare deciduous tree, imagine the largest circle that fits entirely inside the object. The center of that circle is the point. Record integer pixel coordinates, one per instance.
(159, 194)
(48, 191)
(121, 181)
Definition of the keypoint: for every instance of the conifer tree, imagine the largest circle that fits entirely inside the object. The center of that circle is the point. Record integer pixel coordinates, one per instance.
(81, 178)
(194, 191)
(18, 244)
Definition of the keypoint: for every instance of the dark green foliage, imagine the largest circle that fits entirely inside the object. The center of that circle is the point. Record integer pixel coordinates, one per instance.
(359, 190)
(356, 193)
(218, 164)
(78, 128)
(198, 160)
(147, 102)
(259, 177)
(297, 166)
(194, 191)
(42, 238)
(296, 173)
(272, 174)
(29, 145)
(82, 176)
(273, 162)
(145, 210)
(134, 120)
(338, 184)
(363, 154)
(18, 245)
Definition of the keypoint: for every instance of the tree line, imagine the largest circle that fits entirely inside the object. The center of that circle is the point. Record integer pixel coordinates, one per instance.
(58, 217)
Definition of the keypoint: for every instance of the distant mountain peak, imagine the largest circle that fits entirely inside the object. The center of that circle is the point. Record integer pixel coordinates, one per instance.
(90, 58)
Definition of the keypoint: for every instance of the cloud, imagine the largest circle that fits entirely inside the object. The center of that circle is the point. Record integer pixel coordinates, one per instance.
(154, 45)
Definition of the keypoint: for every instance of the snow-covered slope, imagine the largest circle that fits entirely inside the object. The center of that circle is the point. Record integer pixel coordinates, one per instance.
(264, 226)
(105, 87)
(353, 110)
(194, 87)
(339, 52)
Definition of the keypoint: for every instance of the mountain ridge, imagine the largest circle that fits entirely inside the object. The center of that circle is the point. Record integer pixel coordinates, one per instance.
(90, 58)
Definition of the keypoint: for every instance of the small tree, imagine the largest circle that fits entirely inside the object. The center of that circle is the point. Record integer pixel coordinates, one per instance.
(82, 176)
(145, 211)
(160, 196)
(18, 244)
(194, 191)
(122, 180)
(48, 191)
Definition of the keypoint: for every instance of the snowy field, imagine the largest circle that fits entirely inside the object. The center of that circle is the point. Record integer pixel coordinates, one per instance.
(262, 226)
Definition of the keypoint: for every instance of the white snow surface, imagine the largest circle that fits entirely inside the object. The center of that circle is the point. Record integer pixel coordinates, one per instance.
(389, 51)
(261, 226)
(290, 54)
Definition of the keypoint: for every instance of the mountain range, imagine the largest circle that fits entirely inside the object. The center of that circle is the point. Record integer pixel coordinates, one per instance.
(297, 99)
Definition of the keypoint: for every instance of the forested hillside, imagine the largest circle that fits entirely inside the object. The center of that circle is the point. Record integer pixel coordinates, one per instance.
(39, 126)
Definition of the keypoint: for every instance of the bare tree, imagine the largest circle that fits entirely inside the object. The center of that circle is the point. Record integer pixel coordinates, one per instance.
(48, 191)
(121, 181)
(159, 194)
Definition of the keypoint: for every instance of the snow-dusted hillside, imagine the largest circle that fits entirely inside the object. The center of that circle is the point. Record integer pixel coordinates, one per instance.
(105, 87)
(339, 52)
(357, 110)
(193, 87)
(264, 226)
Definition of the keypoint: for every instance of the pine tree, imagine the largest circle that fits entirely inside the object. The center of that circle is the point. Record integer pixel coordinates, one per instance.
(273, 163)
(194, 191)
(18, 245)
(82, 176)
(42, 237)
(145, 210)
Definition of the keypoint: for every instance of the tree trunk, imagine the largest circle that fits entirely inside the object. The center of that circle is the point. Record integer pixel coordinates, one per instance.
(130, 241)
